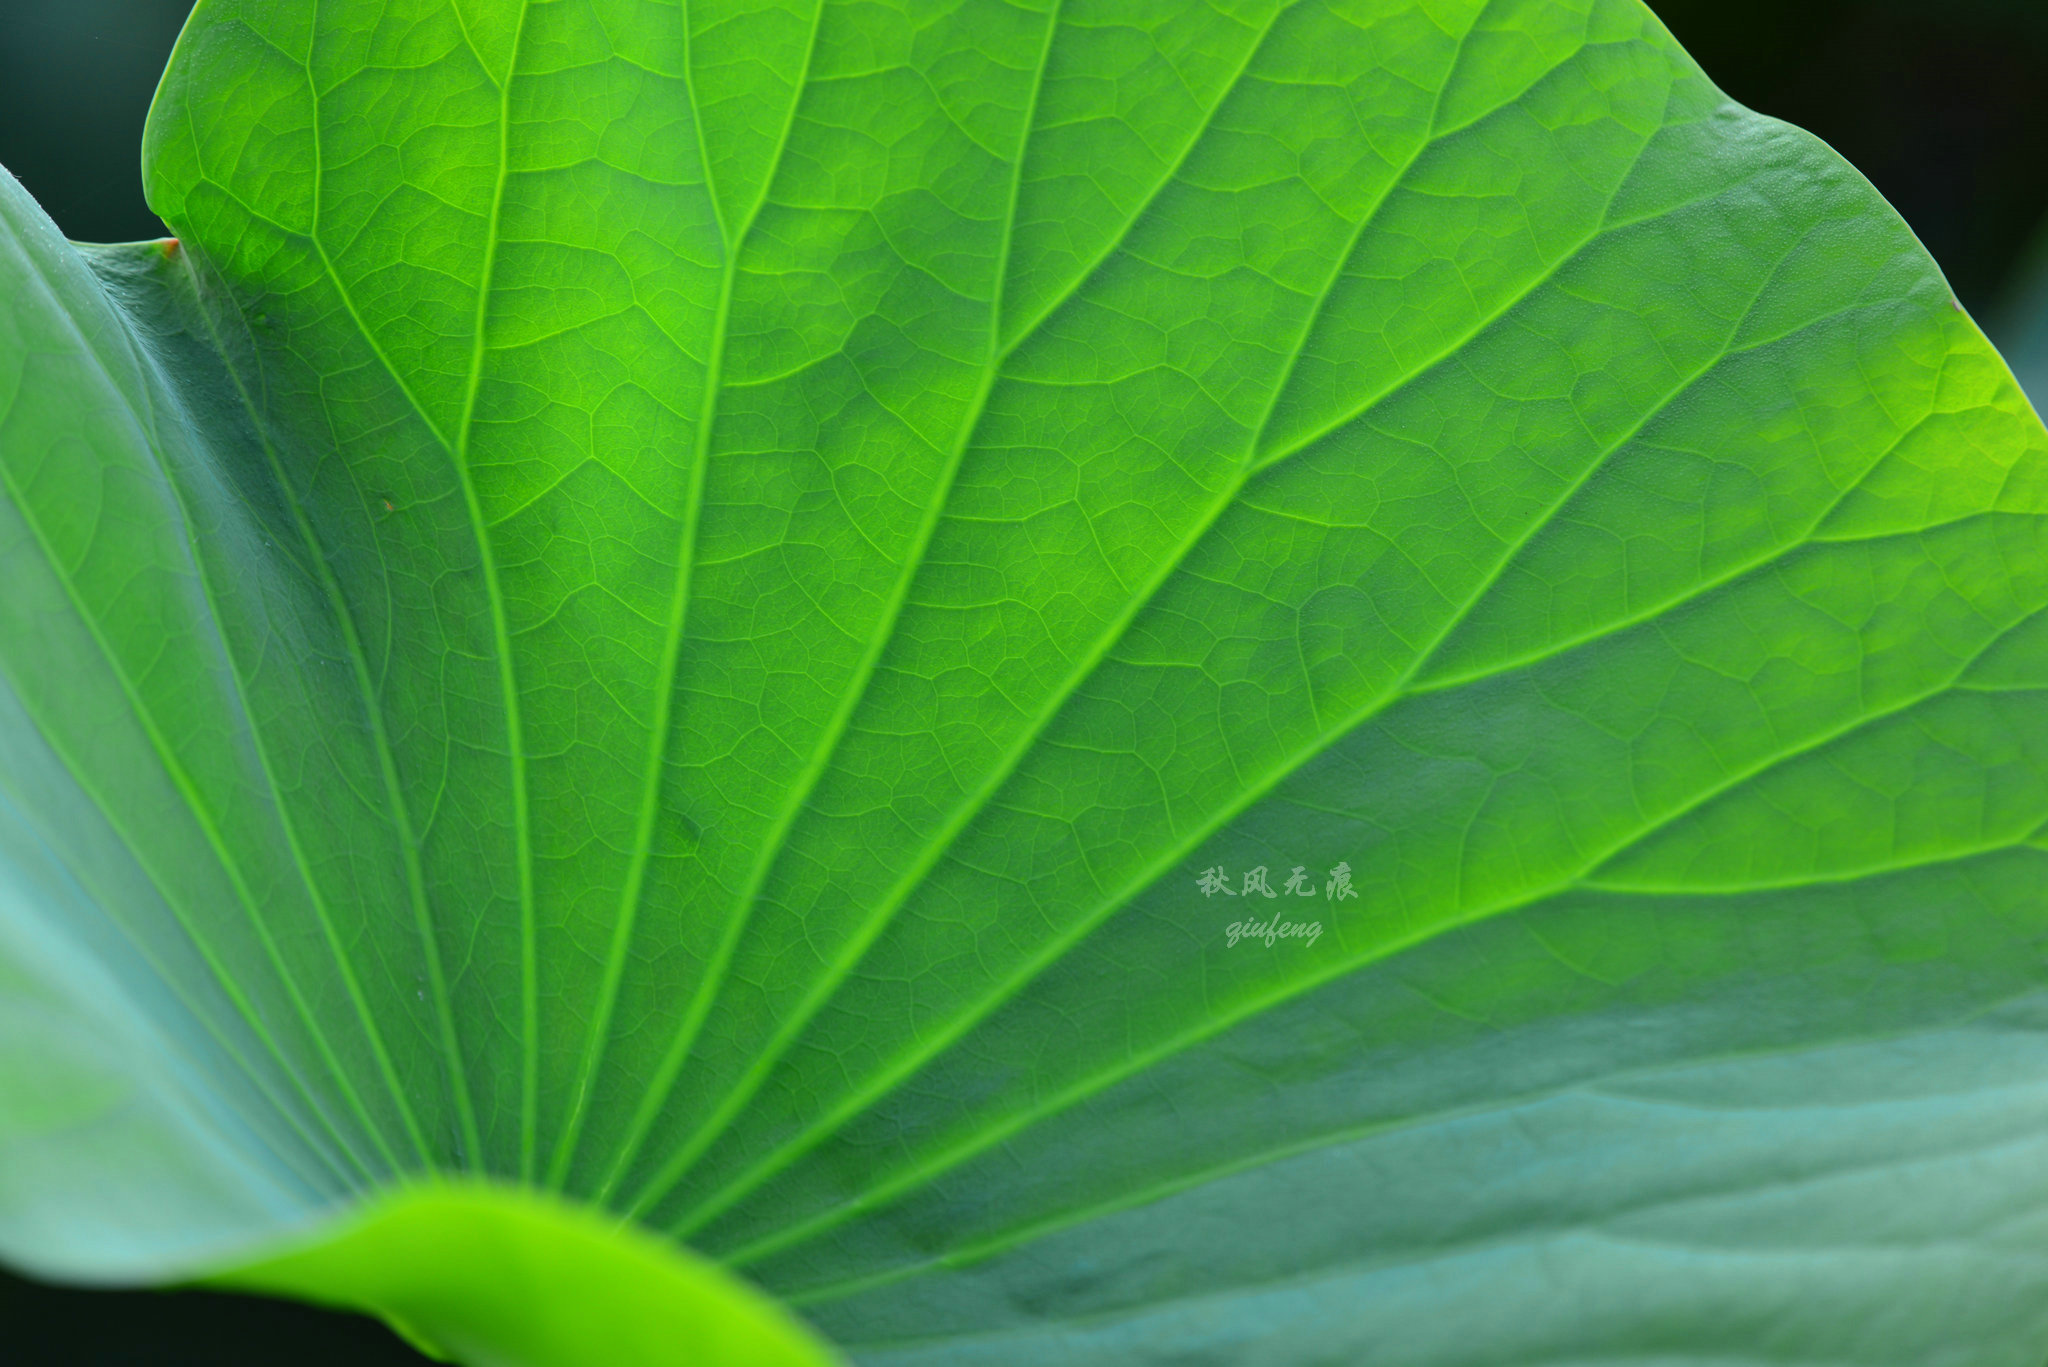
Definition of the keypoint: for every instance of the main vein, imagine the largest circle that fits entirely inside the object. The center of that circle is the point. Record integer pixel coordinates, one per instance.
(508, 685)
(1138, 1061)
(288, 823)
(659, 738)
(939, 1040)
(366, 688)
(835, 730)
(792, 1024)
(203, 817)
(1257, 789)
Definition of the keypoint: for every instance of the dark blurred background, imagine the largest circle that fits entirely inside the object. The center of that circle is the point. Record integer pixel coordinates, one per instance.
(1942, 103)
(42, 1326)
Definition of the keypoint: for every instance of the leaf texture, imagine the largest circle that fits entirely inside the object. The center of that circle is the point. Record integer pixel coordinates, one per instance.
(671, 602)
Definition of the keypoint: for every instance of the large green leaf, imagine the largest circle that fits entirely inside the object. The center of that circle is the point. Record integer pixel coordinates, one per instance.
(671, 602)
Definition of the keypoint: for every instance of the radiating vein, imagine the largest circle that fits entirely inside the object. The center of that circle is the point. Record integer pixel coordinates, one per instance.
(1003, 1241)
(202, 817)
(321, 567)
(829, 741)
(148, 424)
(659, 740)
(1248, 793)
(992, 1132)
(792, 1023)
(294, 843)
(508, 684)
(1081, 278)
